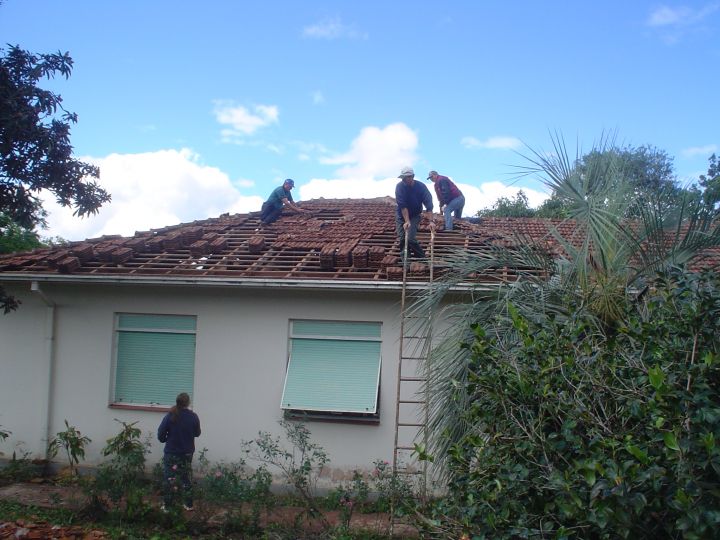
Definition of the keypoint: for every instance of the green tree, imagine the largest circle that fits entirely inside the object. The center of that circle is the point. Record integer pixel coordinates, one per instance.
(509, 207)
(35, 149)
(15, 238)
(585, 434)
(643, 173)
(604, 261)
(711, 185)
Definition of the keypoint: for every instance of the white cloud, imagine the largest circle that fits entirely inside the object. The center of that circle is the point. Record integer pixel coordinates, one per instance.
(377, 152)
(157, 189)
(492, 143)
(332, 28)
(477, 197)
(673, 24)
(700, 150)
(151, 190)
(241, 120)
(245, 182)
(364, 174)
(680, 16)
(318, 97)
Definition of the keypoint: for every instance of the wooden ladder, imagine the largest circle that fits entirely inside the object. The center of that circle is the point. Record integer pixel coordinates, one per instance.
(415, 347)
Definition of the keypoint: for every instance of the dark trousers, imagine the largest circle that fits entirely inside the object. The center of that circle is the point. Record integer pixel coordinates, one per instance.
(414, 248)
(269, 214)
(177, 473)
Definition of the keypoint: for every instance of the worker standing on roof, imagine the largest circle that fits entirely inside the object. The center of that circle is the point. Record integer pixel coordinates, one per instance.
(411, 196)
(279, 198)
(450, 198)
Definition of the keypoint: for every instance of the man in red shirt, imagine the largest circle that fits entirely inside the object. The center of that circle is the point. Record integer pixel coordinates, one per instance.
(450, 198)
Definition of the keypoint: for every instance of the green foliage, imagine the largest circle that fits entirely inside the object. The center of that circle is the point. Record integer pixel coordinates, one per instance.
(122, 476)
(20, 468)
(35, 149)
(4, 434)
(711, 185)
(300, 465)
(73, 442)
(505, 207)
(243, 493)
(588, 434)
(14, 238)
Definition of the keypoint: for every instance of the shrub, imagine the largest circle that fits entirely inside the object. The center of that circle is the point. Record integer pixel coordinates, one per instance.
(73, 442)
(242, 492)
(122, 477)
(300, 464)
(590, 435)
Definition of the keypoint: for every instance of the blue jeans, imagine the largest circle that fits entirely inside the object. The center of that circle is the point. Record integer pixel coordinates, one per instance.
(414, 248)
(269, 214)
(453, 207)
(177, 475)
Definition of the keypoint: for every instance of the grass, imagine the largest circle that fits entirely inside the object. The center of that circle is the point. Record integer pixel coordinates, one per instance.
(157, 526)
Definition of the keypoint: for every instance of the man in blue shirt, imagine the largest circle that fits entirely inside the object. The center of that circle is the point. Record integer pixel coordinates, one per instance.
(279, 198)
(411, 196)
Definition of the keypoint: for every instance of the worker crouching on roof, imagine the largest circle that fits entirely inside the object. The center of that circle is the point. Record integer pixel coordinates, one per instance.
(411, 196)
(279, 198)
(450, 198)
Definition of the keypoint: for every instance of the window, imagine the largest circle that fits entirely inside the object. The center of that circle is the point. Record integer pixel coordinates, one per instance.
(155, 358)
(333, 370)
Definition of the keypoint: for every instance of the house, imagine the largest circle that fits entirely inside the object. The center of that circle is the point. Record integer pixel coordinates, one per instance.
(300, 319)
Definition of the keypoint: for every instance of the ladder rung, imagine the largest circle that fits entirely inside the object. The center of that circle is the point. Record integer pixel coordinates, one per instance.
(417, 402)
(406, 471)
(404, 448)
(403, 424)
(413, 379)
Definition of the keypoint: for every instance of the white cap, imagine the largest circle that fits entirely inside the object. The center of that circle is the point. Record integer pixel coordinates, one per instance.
(406, 171)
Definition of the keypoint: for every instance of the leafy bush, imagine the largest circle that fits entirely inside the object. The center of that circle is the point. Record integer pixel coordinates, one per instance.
(242, 492)
(588, 434)
(122, 477)
(73, 442)
(300, 464)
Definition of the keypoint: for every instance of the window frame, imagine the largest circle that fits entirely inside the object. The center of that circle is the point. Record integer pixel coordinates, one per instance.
(119, 329)
(326, 415)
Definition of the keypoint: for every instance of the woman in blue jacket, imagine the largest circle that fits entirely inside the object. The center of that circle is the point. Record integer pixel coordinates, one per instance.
(178, 430)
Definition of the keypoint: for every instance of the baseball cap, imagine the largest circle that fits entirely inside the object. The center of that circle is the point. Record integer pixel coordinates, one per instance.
(430, 174)
(290, 182)
(406, 171)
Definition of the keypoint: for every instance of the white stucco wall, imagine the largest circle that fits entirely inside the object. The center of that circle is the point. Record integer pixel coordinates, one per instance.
(241, 354)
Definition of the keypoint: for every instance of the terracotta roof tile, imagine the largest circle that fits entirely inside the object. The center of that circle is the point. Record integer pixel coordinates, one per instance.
(342, 239)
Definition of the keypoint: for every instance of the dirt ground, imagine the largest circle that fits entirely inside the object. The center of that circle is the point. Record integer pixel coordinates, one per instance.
(48, 495)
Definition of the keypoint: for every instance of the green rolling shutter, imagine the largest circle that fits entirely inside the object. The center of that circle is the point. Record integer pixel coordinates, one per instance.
(152, 367)
(333, 375)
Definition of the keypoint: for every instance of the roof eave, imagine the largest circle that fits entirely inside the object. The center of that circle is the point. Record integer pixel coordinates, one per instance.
(249, 283)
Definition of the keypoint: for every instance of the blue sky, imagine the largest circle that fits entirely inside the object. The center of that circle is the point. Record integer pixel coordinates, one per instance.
(193, 109)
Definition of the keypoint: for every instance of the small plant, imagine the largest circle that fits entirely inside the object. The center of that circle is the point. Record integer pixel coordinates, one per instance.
(351, 497)
(122, 477)
(393, 491)
(236, 488)
(301, 465)
(4, 434)
(73, 442)
(19, 469)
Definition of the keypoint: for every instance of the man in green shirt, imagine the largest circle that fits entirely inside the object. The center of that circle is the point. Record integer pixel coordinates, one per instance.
(279, 198)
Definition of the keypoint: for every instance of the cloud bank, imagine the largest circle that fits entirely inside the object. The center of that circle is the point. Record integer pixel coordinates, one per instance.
(167, 187)
(150, 190)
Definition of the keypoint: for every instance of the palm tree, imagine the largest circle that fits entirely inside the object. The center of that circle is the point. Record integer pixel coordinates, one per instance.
(600, 257)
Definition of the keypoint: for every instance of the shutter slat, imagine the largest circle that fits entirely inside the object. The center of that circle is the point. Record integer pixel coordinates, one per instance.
(153, 367)
(333, 376)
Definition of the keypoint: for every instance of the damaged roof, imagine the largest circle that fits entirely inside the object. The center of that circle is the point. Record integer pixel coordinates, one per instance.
(341, 239)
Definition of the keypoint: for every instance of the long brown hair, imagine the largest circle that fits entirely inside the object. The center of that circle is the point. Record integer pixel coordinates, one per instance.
(182, 401)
